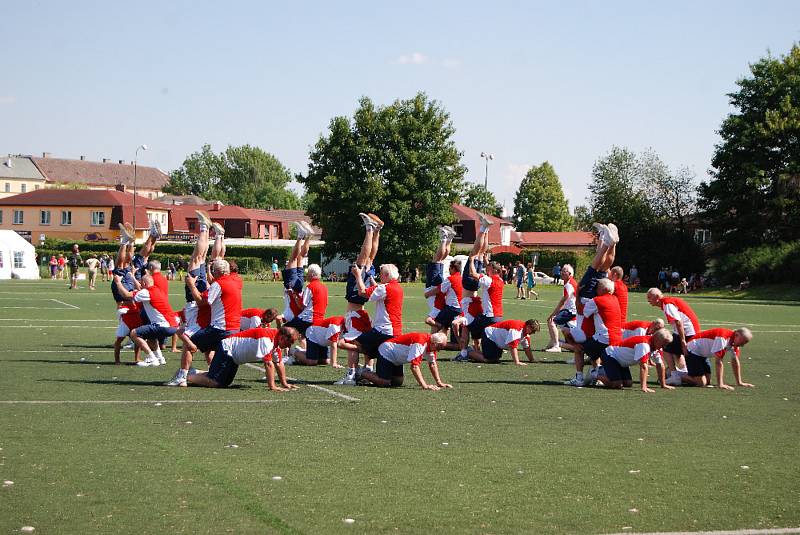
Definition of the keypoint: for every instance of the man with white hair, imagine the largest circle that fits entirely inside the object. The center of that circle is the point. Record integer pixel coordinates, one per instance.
(685, 326)
(388, 299)
(603, 311)
(563, 315)
(715, 344)
(313, 301)
(618, 359)
(322, 343)
(407, 348)
(620, 290)
(641, 328)
(225, 299)
(509, 334)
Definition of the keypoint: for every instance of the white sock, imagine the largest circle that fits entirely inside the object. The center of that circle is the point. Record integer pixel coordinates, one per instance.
(150, 354)
(158, 353)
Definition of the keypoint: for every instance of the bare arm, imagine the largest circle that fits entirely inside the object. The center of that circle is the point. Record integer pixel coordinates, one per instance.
(515, 356)
(420, 379)
(737, 371)
(433, 291)
(719, 368)
(472, 272)
(362, 290)
(122, 291)
(529, 353)
(643, 376)
(198, 298)
(436, 377)
(558, 308)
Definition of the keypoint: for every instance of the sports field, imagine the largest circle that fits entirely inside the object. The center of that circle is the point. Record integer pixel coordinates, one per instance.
(97, 448)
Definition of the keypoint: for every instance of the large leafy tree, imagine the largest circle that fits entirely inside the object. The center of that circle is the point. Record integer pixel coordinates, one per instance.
(476, 196)
(398, 161)
(634, 192)
(243, 176)
(539, 204)
(754, 193)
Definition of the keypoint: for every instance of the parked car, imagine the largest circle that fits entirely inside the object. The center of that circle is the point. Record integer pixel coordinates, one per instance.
(542, 278)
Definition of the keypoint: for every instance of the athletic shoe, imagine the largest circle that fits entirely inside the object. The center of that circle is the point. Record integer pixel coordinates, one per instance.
(308, 228)
(155, 228)
(288, 361)
(443, 234)
(124, 236)
(193, 371)
(378, 221)
(161, 360)
(674, 379)
(204, 218)
(575, 382)
(347, 380)
(593, 374)
(156, 362)
(613, 232)
(128, 346)
(176, 381)
(219, 230)
(554, 349)
(367, 220)
(131, 232)
(149, 361)
(301, 230)
(450, 230)
(461, 358)
(484, 220)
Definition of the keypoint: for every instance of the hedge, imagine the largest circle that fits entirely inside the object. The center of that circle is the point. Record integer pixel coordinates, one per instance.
(762, 264)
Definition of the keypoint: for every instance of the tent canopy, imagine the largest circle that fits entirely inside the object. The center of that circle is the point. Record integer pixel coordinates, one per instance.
(17, 257)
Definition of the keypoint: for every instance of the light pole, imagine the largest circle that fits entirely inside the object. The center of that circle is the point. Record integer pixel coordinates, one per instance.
(486, 156)
(135, 158)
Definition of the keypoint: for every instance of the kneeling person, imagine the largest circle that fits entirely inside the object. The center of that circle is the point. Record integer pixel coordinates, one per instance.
(407, 348)
(506, 335)
(618, 359)
(321, 344)
(715, 343)
(252, 345)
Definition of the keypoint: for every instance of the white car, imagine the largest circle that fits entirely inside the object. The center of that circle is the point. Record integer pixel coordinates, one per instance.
(542, 278)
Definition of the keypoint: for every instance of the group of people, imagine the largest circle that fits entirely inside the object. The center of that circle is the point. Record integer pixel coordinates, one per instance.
(592, 316)
(465, 298)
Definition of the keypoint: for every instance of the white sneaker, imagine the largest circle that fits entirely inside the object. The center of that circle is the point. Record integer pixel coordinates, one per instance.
(592, 375)
(450, 230)
(155, 228)
(161, 360)
(149, 361)
(347, 380)
(156, 362)
(485, 222)
(461, 358)
(613, 232)
(575, 382)
(288, 360)
(124, 235)
(301, 231)
(128, 346)
(219, 230)
(554, 349)
(204, 218)
(308, 228)
(176, 381)
(674, 379)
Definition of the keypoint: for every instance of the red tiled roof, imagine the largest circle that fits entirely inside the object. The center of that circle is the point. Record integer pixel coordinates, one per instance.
(63, 171)
(465, 212)
(182, 214)
(568, 239)
(497, 249)
(80, 197)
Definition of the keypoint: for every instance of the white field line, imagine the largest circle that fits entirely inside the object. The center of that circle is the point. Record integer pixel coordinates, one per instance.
(57, 326)
(35, 308)
(66, 304)
(321, 388)
(40, 319)
(101, 350)
(146, 402)
(768, 531)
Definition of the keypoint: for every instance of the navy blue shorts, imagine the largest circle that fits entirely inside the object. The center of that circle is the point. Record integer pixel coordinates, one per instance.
(447, 315)
(316, 351)
(588, 286)
(563, 317)
(139, 264)
(479, 324)
(697, 365)
(490, 351)
(298, 324)
(155, 332)
(434, 274)
(387, 370)
(208, 338)
(351, 290)
(223, 368)
(201, 283)
(616, 371)
(519, 283)
(471, 283)
(594, 349)
(675, 347)
(293, 279)
(370, 341)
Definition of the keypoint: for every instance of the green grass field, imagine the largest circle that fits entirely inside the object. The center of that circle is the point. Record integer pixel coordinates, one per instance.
(97, 448)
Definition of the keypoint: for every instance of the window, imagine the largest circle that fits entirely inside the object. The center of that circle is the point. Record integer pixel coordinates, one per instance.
(66, 217)
(98, 218)
(44, 217)
(191, 225)
(702, 236)
(36, 186)
(18, 259)
(19, 217)
(23, 188)
(1, 217)
(459, 228)
(8, 187)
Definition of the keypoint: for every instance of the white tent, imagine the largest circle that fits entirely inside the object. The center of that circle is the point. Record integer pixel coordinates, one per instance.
(17, 257)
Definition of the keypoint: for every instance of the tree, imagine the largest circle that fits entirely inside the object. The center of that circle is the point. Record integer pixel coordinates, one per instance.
(242, 176)
(539, 204)
(754, 193)
(477, 197)
(398, 161)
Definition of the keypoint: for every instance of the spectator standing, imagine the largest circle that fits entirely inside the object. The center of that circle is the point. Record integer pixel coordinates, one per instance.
(75, 262)
(531, 282)
(53, 267)
(662, 279)
(520, 273)
(557, 273)
(62, 262)
(675, 279)
(276, 271)
(92, 263)
(634, 274)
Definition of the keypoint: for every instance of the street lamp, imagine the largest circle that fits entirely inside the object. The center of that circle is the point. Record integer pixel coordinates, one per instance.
(135, 158)
(486, 156)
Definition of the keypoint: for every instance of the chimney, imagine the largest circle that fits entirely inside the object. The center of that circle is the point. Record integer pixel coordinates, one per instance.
(216, 206)
(83, 157)
(105, 160)
(120, 187)
(121, 161)
(46, 155)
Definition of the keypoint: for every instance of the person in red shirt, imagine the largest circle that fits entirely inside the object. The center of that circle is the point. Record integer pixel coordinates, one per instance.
(388, 299)
(252, 318)
(685, 326)
(490, 285)
(714, 344)
(508, 334)
(620, 290)
(563, 315)
(618, 359)
(313, 301)
(322, 341)
(408, 348)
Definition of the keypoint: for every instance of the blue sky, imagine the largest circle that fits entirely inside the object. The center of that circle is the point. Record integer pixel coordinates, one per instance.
(527, 81)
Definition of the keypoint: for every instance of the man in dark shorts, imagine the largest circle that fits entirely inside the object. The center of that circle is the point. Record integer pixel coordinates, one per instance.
(408, 348)
(73, 263)
(252, 345)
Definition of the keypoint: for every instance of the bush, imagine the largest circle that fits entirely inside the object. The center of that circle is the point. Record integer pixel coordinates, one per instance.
(763, 264)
